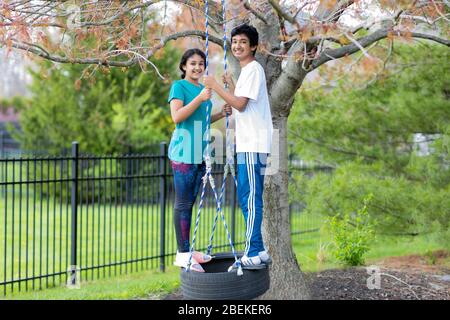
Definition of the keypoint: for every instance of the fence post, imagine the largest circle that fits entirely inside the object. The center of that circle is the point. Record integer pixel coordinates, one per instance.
(73, 274)
(129, 180)
(162, 203)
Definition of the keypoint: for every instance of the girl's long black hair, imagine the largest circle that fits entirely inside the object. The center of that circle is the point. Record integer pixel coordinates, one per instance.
(189, 53)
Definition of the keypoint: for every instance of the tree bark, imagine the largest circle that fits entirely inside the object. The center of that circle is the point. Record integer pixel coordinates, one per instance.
(286, 279)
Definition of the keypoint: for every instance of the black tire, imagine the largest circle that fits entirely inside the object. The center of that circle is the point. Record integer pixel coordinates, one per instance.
(219, 284)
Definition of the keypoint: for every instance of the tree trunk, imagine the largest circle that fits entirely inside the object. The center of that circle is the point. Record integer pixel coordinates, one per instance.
(286, 279)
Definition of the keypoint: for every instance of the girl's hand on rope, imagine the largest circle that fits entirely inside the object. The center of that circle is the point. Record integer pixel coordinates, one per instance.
(227, 110)
(209, 82)
(205, 94)
(228, 80)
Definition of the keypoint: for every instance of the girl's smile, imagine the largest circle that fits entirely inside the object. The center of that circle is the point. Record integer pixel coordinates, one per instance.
(194, 68)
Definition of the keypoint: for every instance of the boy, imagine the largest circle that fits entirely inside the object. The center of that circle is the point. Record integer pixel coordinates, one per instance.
(253, 136)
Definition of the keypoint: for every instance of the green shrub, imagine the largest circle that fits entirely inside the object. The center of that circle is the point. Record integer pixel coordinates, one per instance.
(352, 235)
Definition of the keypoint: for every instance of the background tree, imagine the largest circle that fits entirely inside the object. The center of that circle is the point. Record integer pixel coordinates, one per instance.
(389, 138)
(296, 38)
(114, 112)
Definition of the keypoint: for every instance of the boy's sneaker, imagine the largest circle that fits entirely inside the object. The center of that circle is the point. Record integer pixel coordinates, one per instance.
(182, 260)
(248, 263)
(265, 258)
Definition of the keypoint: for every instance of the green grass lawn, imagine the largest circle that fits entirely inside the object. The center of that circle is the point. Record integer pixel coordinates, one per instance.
(149, 284)
(35, 238)
(35, 228)
(155, 284)
(39, 242)
(313, 250)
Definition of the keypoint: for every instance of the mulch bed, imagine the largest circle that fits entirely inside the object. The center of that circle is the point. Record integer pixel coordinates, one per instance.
(412, 277)
(351, 284)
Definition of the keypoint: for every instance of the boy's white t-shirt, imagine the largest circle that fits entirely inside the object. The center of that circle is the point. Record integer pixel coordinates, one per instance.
(253, 125)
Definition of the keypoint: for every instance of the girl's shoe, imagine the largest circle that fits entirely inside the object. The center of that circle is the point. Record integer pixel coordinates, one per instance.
(201, 257)
(182, 260)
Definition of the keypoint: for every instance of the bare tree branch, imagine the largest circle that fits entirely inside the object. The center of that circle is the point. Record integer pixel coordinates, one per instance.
(41, 52)
(254, 12)
(419, 35)
(332, 14)
(193, 33)
(378, 35)
(282, 12)
(56, 58)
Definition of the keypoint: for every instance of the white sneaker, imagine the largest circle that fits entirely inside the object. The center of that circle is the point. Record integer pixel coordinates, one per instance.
(201, 257)
(182, 260)
(264, 256)
(250, 261)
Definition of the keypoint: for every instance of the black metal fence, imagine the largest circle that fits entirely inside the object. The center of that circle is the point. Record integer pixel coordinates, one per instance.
(81, 217)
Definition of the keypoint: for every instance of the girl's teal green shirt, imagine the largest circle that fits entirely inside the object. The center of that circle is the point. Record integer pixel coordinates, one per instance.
(187, 144)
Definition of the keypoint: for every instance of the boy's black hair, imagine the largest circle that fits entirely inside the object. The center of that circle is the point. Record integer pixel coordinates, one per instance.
(189, 53)
(249, 31)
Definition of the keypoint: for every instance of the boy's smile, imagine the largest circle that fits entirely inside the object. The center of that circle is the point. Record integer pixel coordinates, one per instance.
(240, 46)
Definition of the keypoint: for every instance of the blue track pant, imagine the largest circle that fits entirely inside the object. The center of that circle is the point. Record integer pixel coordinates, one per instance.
(250, 174)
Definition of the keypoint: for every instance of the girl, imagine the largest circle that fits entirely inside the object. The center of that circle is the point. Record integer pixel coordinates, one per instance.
(189, 101)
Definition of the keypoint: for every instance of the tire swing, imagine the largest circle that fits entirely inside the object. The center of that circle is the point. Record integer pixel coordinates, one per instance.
(217, 283)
